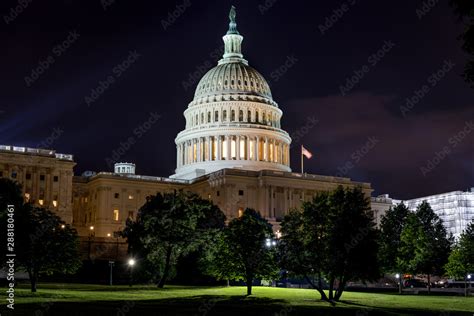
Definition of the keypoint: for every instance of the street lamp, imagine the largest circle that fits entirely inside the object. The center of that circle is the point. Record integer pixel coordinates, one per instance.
(111, 264)
(399, 278)
(467, 279)
(270, 242)
(131, 263)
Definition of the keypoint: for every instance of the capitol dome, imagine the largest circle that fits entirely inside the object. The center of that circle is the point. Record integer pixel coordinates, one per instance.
(233, 121)
(232, 78)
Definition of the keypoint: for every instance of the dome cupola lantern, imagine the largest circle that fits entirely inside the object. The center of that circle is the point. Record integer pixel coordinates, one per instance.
(233, 121)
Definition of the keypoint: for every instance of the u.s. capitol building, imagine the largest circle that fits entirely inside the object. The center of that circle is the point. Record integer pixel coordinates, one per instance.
(233, 151)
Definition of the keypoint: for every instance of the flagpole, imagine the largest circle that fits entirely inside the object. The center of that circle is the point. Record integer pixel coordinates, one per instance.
(302, 159)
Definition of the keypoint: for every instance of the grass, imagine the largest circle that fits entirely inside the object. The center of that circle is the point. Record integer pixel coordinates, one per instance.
(89, 300)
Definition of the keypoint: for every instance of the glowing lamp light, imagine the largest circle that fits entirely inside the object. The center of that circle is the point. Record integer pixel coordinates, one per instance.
(63, 226)
(268, 243)
(91, 228)
(397, 275)
(108, 234)
(469, 276)
(131, 262)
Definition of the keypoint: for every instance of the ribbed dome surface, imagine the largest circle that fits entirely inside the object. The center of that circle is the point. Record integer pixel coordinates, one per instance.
(233, 78)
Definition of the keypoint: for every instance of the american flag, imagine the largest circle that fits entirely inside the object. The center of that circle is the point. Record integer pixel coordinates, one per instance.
(306, 152)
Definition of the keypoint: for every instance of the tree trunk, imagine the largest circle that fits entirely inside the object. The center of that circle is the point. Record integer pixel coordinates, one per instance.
(340, 289)
(33, 279)
(249, 280)
(331, 287)
(166, 271)
(228, 283)
(318, 288)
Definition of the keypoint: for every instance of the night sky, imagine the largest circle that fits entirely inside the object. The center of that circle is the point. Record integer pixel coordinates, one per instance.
(367, 132)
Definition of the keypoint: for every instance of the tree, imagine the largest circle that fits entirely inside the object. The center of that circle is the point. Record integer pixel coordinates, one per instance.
(50, 247)
(333, 237)
(461, 259)
(303, 248)
(249, 254)
(170, 226)
(424, 245)
(465, 11)
(44, 244)
(390, 231)
(215, 261)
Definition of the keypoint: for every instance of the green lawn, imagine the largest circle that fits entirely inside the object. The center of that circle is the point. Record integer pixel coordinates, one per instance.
(75, 299)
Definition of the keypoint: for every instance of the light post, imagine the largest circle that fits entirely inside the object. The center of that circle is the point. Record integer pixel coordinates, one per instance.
(131, 263)
(399, 278)
(91, 235)
(111, 265)
(466, 279)
(269, 243)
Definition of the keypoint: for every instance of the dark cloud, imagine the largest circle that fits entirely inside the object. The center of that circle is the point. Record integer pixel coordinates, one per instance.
(403, 144)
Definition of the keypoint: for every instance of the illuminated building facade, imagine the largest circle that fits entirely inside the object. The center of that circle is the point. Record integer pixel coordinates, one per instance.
(44, 175)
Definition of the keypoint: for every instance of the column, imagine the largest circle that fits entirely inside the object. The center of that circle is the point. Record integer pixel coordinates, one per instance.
(177, 155)
(255, 152)
(237, 147)
(272, 202)
(219, 147)
(199, 151)
(265, 150)
(209, 148)
(229, 143)
(248, 147)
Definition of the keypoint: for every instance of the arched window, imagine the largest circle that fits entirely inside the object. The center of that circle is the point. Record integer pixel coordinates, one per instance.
(249, 116)
(209, 117)
(224, 115)
(202, 118)
(232, 116)
(216, 116)
(241, 116)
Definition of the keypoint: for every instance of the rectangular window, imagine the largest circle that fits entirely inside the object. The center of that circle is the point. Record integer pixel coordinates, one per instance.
(218, 193)
(28, 176)
(130, 214)
(27, 197)
(241, 192)
(14, 174)
(1, 174)
(41, 177)
(116, 215)
(116, 195)
(130, 197)
(55, 178)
